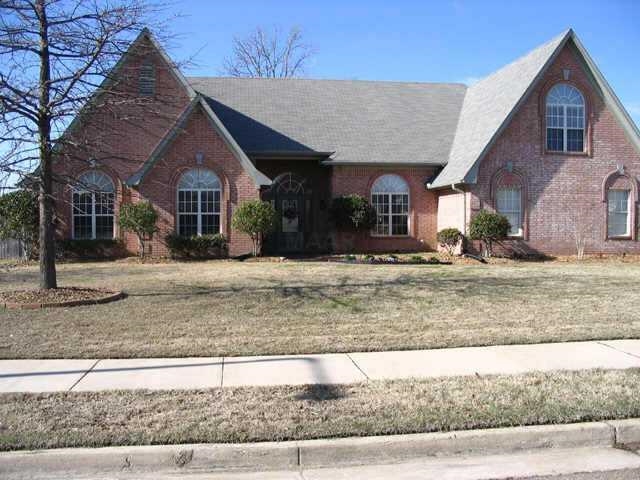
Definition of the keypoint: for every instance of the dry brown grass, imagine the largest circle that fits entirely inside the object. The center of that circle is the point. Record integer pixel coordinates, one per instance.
(285, 413)
(231, 308)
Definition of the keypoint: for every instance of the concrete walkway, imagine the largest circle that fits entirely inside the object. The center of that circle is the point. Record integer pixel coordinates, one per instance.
(201, 372)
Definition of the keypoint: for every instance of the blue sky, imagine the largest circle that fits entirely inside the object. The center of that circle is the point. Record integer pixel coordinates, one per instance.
(448, 41)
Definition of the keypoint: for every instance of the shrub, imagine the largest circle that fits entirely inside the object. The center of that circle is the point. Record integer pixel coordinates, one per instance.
(19, 219)
(417, 259)
(489, 228)
(90, 249)
(257, 219)
(204, 246)
(449, 238)
(139, 218)
(352, 213)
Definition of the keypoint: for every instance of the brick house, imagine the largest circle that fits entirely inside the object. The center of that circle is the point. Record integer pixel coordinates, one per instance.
(544, 141)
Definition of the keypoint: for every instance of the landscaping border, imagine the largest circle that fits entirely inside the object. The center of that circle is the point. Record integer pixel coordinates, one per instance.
(110, 296)
(295, 455)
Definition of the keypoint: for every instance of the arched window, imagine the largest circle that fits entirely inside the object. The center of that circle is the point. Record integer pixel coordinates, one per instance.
(565, 119)
(618, 213)
(509, 204)
(93, 201)
(199, 193)
(390, 198)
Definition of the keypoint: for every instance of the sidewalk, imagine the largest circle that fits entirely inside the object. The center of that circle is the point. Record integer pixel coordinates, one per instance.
(209, 372)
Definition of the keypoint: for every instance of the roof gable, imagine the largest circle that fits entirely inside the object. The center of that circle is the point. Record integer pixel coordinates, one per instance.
(490, 105)
(198, 102)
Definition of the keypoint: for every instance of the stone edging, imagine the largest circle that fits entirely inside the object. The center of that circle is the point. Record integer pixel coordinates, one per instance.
(110, 296)
(295, 455)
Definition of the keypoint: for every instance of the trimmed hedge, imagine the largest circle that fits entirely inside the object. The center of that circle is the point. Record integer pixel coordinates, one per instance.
(204, 246)
(90, 249)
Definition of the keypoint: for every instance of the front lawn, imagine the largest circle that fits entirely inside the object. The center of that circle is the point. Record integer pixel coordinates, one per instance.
(74, 419)
(231, 308)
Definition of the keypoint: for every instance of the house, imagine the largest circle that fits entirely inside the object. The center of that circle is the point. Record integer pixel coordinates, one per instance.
(544, 141)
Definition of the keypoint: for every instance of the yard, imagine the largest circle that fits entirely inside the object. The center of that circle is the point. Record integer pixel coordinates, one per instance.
(249, 414)
(249, 308)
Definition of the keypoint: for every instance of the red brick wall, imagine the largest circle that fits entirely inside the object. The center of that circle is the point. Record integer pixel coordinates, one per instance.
(159, 186)
(422, 209)
(120, 132)
(564, 192)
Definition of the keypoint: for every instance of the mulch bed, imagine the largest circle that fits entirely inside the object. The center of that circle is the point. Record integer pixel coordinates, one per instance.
(57, 297)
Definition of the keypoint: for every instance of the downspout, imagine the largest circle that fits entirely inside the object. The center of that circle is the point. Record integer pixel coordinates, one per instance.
(464, 206)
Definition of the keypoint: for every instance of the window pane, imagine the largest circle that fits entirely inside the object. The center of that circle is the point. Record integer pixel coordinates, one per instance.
(82, 203)
(509, 204)
(187, 225)
(82, 227)
(399, 225)
(104, 227)
(555, 139)
(575, 117)
(381, 203)
(206, 202)
(555, 116)
(618, 218)
(575, 140)
(187, 201)
(399, 203)
(210, 224)
(104, 203)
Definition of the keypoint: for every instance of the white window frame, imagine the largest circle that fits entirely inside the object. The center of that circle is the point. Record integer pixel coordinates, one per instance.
(390, 215)
(520, 232)
(93, 215)
(199, 213)
(627, 233)
(564, 127)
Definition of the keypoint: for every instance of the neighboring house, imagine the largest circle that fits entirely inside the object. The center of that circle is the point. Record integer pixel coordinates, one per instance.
(544, 141)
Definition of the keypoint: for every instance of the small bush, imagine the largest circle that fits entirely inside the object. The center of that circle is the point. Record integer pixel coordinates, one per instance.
(196, 247)
(417, 259)
(489, 228)
(139, 218)
(90, 249)
(449, 238)
(257, 219)
(350, 258)
(352, 213)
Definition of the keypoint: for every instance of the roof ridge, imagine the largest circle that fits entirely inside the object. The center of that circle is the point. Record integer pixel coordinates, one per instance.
(306, 79)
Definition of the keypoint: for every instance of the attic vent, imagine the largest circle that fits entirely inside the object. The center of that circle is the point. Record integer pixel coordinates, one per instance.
(147, 79)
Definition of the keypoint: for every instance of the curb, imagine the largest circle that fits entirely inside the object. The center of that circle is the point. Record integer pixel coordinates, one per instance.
(295, 455)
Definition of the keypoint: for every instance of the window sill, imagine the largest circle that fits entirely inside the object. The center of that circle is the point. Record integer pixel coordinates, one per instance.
(622, 237)
(567, 154)
(372, 235)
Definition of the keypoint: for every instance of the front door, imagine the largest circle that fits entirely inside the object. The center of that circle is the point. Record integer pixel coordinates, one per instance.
(291, 229)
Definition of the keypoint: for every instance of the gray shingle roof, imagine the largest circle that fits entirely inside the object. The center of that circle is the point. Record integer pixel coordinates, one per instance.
(487, 108)
(361, 121)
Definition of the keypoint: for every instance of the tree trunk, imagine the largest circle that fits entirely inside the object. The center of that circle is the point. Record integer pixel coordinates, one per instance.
(141, 246)
(45, 198)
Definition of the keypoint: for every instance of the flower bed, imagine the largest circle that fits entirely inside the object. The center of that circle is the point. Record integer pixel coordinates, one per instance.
(391, 260)
(58, 297)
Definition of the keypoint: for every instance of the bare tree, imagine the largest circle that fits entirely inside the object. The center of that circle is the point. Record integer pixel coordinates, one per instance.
(269, 54)
(55, 60)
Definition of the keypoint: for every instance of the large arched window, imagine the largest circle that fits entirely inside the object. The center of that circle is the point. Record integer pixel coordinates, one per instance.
(565, 119)
(199, 193)
(390, 198)
(93, 202)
